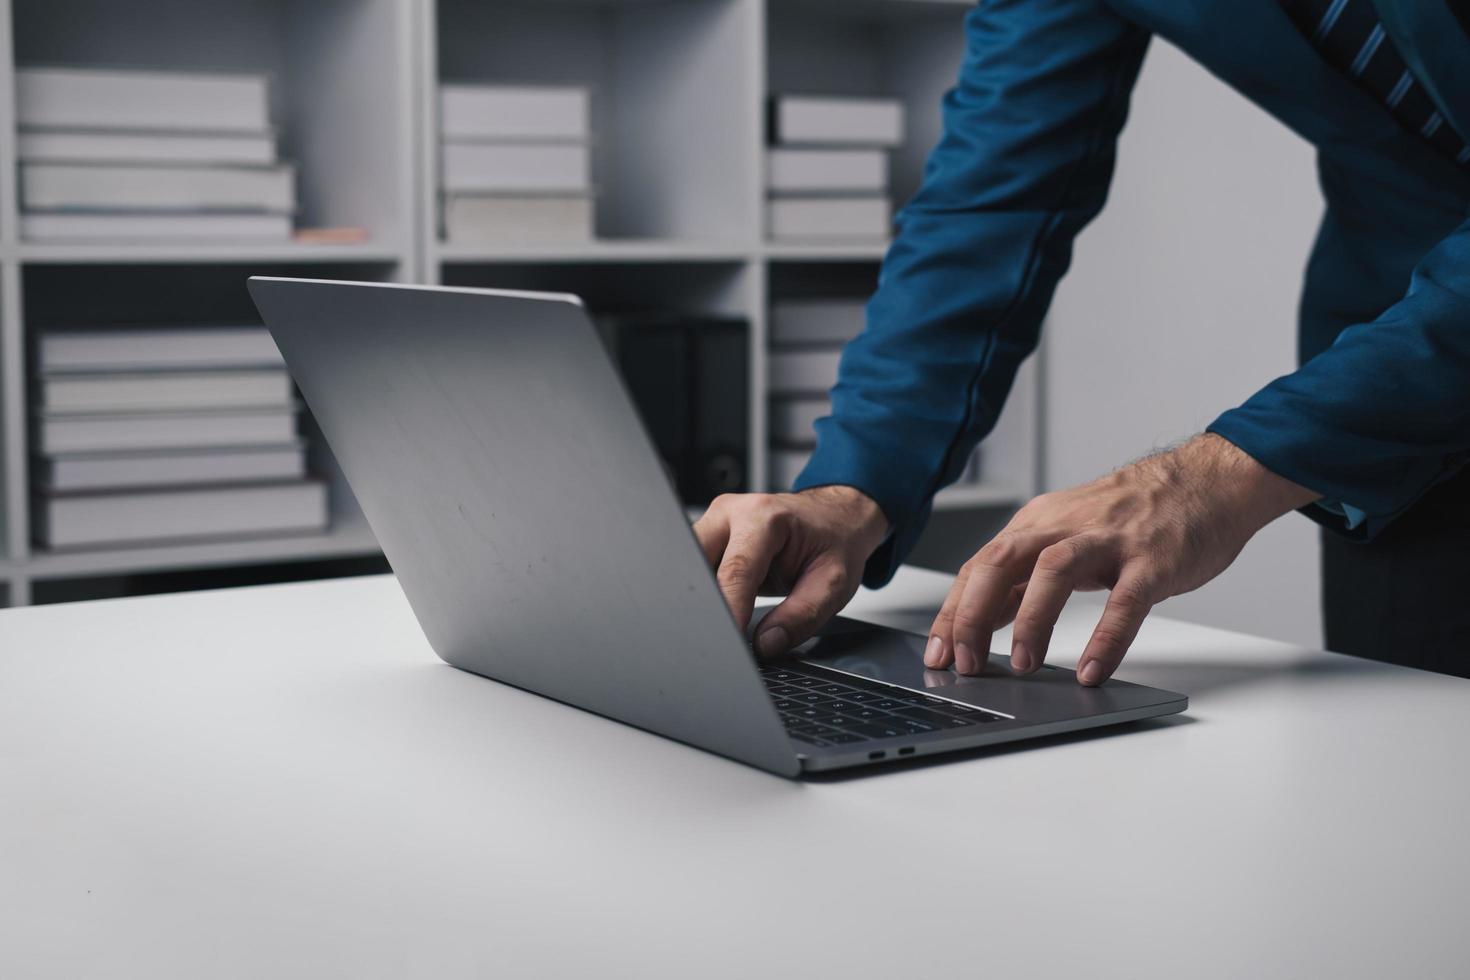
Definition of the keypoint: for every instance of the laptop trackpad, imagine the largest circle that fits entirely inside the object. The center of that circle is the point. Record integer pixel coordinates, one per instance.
(896, 657)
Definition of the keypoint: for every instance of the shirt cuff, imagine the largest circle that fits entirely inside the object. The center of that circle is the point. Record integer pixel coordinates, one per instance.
(1350, 514)
(899, 487)
(1345, 519)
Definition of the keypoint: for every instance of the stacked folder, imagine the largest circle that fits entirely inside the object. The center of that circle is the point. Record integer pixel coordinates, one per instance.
(515, 164)
(807, 336)
(688, 374)
(149, 156)
(827, 167)
(144, 436)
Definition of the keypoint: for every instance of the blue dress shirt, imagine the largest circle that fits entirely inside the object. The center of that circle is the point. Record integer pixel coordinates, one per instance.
(1379, 410)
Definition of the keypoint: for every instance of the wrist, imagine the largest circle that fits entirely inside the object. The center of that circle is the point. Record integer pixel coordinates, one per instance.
(858, 511)
(1242, 486)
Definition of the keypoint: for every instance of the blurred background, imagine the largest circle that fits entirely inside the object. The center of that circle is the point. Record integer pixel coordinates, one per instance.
(714, 177)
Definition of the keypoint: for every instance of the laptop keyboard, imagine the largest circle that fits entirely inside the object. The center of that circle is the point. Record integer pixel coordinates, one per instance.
(820, 706)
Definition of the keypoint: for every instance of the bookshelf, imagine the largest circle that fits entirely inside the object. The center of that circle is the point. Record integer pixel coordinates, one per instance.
(678, 92)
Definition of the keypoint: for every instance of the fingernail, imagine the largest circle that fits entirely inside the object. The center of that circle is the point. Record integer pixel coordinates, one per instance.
(1091, 673)
(1020, 658)
(964, 659)
(934, 652)
(772, 642)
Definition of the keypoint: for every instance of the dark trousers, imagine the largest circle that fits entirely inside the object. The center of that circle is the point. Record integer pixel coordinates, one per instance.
(1404, 597)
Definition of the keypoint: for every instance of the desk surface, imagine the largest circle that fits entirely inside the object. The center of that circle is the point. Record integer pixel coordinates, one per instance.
(284, 781)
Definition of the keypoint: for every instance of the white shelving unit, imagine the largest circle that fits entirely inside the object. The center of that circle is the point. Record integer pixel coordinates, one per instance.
(679, 88)
(343, 76)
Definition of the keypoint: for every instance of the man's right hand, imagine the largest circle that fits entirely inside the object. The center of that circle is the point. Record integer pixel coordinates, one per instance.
(809, 546)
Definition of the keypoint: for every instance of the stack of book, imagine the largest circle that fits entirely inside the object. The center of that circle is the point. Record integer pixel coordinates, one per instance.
(827, 167)
(515, 164)
(807, 337)
(149, 156)
(146, 436)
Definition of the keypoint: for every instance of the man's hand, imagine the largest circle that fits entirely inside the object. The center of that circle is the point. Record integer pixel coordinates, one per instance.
(809, 546)
(1159, 527)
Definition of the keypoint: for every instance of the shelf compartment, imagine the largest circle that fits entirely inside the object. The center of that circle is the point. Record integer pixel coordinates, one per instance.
(154, 295)
(905, 49)
(340, 86)
(658, 74)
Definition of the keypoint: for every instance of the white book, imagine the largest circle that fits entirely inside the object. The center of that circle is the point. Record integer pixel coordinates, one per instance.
(118, 431)
(482, 219)
(99, 146)
(836, 120)
(165, 391)
(827, 320)
(116, 471)
(138, 517)
(793, 420)
(794, 372)
(514, 112)
(786, 466)
(161, 349)
(135, 228)
(828, 218)
(167, 100)
(826, 171)
(124, 187)
(533, 167)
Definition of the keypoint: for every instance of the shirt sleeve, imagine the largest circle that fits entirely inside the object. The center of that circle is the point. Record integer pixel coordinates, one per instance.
(1382, 415)
(1024, 162)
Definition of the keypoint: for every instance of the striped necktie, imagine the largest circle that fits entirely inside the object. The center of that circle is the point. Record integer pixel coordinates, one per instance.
(1350, 36)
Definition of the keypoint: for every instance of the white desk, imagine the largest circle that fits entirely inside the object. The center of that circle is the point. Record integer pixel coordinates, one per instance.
(284, 781)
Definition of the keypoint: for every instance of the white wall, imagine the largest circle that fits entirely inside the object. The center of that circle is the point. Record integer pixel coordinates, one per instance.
(1181, 302)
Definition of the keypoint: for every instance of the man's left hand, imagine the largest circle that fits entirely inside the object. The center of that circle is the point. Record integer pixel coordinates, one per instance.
(1159, 527)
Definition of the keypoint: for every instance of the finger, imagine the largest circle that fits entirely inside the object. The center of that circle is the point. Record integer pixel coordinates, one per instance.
(938, 654)
(712, 531)
(823, 588)
(999, 567)
(1128, 605)
(1012, 606)
(1060, 568)
(745, 564)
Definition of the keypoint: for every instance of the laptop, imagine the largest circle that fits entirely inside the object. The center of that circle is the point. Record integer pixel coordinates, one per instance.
(513, 489)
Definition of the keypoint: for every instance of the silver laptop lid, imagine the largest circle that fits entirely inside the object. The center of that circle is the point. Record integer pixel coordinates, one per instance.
(504, 471)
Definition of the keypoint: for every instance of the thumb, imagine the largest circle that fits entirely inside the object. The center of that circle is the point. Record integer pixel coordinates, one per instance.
(823, 588)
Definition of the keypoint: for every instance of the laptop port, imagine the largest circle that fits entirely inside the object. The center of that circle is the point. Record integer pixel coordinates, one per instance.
(875, 756)
(906, 750)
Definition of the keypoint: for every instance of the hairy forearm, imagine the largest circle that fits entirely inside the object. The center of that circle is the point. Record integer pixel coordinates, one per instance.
(1213, 470)
(853, 508)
